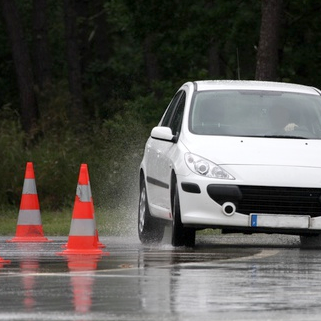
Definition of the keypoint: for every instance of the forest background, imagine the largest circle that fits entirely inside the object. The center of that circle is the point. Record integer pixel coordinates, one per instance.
(85, 81)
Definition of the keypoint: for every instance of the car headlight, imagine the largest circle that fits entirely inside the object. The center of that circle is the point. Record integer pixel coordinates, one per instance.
(204, 167)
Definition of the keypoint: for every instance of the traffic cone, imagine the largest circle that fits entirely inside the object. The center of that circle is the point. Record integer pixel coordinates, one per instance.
(82, 236)
(29, 226)
(99, 244)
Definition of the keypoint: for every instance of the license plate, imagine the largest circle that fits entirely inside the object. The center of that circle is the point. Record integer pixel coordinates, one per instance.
(279, 221)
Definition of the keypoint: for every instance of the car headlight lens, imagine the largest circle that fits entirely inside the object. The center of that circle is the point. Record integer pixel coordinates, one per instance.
(204, 167)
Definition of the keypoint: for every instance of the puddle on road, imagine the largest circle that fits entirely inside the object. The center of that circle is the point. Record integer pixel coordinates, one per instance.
(123, 253)
(149, 279)
(43, 258)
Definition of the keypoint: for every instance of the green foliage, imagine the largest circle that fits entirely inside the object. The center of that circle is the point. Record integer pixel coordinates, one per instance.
(8, 220)
(12, 156)
(112, 149)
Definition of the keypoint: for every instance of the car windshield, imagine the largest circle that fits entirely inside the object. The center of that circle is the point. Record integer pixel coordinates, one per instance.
(256, 113)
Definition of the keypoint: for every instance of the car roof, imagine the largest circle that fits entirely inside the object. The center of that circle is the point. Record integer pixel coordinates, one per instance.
(204, 85)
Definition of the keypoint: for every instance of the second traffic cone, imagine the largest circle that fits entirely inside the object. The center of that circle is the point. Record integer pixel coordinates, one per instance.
(82, 236)
(90, 199)
(29, 226)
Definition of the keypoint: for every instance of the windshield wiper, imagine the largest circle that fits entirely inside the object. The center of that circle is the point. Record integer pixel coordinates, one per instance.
(285, 136)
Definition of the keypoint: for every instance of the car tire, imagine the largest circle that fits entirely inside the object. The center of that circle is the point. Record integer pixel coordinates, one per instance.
(181, 236)
(150, 229)
(310, 241)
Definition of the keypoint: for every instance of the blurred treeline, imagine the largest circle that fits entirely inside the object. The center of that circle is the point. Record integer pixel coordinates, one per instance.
(84, 81)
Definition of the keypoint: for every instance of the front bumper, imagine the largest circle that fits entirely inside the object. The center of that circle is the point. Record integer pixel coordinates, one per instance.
(257, 208)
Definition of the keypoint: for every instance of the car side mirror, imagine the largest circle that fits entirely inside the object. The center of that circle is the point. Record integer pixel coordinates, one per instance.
(163, 133)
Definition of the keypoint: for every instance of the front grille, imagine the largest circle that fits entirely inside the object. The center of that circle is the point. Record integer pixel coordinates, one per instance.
(280, 200)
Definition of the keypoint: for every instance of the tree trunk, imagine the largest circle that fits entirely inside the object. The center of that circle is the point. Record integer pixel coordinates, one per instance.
(267, 57)
(22, 62)
(73, 61)
(41, 54)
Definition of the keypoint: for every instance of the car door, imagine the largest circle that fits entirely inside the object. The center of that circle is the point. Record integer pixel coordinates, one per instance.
(157, 163)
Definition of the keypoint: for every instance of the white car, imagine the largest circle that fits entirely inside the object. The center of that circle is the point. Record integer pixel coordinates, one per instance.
(240, 156)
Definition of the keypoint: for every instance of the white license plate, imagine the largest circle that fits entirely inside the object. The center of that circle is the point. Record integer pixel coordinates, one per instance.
(279, 221)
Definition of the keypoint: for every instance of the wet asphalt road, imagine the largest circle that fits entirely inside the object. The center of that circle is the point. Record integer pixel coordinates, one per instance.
(224, 278)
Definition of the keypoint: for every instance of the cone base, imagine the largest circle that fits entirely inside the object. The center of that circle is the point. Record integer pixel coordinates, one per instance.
(29, 233)
(82, 252)
(28, 239)
(99, 244)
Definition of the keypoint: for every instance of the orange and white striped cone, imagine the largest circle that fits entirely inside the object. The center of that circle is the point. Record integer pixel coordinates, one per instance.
(82, 236)
(29, 226)
(99, 244)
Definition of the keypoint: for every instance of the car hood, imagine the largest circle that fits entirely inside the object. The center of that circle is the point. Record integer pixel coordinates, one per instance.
(256, 151)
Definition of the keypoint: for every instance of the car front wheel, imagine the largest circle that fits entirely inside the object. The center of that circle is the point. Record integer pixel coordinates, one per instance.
(150, 229)
(180, 235)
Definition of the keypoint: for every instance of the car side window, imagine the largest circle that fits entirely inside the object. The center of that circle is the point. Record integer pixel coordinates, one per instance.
(176, 122)
(170, 110)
